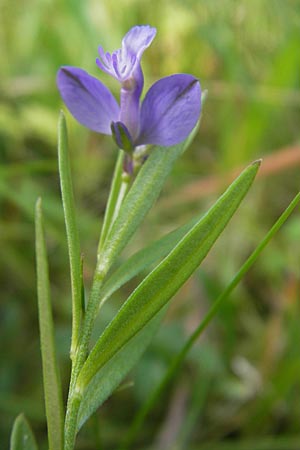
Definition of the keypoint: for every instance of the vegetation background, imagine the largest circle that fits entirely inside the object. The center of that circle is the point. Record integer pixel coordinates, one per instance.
(240, 386)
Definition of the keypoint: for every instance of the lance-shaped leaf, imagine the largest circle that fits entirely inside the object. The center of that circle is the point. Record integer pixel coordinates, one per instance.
(154, 396)
(52, 386)
(144, 259)
(71, 228)
(22, 437)
(165, 280)
(111, 375)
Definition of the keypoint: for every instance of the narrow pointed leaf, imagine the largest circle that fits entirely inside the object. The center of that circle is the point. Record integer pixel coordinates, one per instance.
(165, 280)
(153, 398)
(111, 375)
(52, 386)
(144, 259)
(71, 228)
(22, 437)
(143, 193)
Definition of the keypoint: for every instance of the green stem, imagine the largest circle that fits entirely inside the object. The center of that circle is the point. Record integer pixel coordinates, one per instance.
(112, 199)
(121, 195)
(75, 397)
(86, 330)
(118, 200)
(71, 422)
(119, 189)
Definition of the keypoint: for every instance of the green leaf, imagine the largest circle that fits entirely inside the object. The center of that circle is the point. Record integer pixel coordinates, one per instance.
(71, 228)
(165, 280)
(22, 437)
(143, 193)
(111, 375)
(153, 398)
(144, 258)
(52, 386)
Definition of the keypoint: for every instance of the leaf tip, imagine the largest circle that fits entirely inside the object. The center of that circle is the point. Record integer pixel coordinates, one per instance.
(38, 204)
(204, 96)
(62, 115)
(62, 123)
(20, 417)
(257, 162)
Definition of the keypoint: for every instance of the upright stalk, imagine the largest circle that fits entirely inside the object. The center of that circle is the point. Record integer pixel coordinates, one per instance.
(119, 189)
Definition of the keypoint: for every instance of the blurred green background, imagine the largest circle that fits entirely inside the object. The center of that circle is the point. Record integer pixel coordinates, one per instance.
(240, 386)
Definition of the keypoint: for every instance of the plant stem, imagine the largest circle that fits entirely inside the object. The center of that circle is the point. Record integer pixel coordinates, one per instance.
(122, 193)
(111, 216)
(112, 198)
(71, 421)
(119, 189)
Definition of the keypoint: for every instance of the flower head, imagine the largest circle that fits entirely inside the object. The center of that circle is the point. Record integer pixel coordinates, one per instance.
(167, 114)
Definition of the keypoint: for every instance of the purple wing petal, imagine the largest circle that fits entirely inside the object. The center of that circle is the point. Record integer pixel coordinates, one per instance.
(170, 110)
(138, 39)
(89, 101)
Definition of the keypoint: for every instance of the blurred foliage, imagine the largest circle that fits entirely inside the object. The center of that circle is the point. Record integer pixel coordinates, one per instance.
(241, 383)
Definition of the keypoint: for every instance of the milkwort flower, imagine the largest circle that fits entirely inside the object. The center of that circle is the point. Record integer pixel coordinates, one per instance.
(165, 117)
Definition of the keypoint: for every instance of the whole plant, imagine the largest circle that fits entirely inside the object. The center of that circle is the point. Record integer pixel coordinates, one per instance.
(151, 134)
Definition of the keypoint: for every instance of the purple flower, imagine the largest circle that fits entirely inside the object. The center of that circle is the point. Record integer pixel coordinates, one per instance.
(167, 114)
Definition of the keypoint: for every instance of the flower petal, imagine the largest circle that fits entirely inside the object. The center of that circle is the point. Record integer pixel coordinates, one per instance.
(138, 39)
(88, 100)
(170, 110)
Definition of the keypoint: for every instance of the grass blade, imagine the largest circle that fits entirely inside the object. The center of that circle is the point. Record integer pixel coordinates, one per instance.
(71, 229)
(165, 280)
(52, 386)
